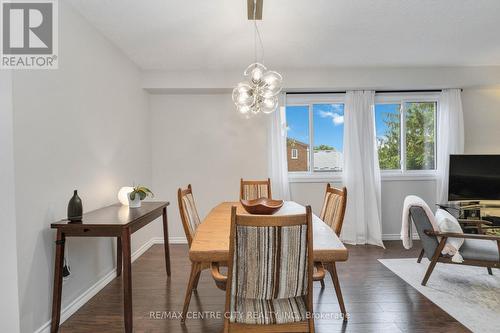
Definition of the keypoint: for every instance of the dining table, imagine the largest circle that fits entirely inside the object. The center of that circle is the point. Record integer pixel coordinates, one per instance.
(211, 244)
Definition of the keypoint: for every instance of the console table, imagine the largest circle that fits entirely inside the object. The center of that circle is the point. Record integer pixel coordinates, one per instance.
(112, 221)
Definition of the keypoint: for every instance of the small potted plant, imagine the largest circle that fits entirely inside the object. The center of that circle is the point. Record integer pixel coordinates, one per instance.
(138, 194)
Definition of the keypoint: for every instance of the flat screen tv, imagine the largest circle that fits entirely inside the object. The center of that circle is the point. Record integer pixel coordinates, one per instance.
(474, 177)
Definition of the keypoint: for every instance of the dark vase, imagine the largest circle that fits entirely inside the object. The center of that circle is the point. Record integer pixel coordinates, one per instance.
(75, 209)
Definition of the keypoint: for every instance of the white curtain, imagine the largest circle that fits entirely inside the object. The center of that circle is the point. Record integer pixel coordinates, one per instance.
(278, 168)
(361, 173)
(450, 137)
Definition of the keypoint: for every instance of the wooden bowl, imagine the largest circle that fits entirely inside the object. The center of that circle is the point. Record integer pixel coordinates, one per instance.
(262, 206)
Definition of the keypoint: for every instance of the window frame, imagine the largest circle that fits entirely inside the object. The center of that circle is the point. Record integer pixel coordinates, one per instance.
(309, 100)
(294, 154)
(380, 98)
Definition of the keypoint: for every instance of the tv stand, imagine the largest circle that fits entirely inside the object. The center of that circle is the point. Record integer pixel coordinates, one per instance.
(476, 215)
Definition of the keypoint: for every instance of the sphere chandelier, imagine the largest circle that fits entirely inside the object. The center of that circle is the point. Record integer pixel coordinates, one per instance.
(259, 92)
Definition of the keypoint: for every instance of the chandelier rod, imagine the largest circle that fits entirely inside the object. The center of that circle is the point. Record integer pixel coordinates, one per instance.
(257, 35)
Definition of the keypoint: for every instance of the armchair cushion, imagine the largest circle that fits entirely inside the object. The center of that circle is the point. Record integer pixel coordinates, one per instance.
(480, 249)
(448, 223)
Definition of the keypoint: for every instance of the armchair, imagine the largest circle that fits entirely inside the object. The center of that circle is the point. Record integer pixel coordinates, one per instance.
(477, 250)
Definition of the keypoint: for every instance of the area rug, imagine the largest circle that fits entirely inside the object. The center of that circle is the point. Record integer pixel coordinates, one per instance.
(468, 294)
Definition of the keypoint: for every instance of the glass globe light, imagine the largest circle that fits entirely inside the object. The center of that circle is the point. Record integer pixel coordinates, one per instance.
(259, 94)
(243, 94)
(255, 71)
(257, 75)
(269, 104)
(272, 78)
(245, 99)
(272, 84)
(244, 109)
(244, 87)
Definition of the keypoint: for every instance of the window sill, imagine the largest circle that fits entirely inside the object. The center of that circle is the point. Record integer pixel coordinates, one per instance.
(336, 177)
(408, 175)
(316, 177)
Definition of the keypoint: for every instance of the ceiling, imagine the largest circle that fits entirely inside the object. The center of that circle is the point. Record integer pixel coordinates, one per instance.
(193, 35)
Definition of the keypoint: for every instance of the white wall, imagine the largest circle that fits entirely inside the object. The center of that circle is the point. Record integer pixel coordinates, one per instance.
(481, 101)
(482, 119)
(84, 126)
(393, 193)
(200, 139)
(9, 303)
(340, 78)
(211, 119)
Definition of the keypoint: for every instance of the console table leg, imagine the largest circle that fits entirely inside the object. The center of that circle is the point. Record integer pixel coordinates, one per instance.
(165, 240)
(58, 279)
(119, 256)
(127, 281)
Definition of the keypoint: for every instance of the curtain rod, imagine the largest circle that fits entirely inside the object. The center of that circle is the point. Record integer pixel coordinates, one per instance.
(376, 91)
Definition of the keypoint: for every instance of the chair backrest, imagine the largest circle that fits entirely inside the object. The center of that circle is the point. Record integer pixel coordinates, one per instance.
(270, 257)
(422, 223)
(255, 189)
(189, 214)
(333, 210)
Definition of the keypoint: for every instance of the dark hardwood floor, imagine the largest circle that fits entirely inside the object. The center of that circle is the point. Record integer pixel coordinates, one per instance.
(377, 299)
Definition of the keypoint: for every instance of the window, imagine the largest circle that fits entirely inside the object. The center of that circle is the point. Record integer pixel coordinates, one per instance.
(297, 118)
(388, 125)
(420, 135)
(328, 142)
(405, 131)
(405, 128)
(315, 130)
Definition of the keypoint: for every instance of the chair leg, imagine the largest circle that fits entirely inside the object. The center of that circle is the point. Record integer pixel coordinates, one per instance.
(196, 280)
(195, 270)
(489, 271)
(335, 278)
(420, 256)
(434, 260)
(311, 325)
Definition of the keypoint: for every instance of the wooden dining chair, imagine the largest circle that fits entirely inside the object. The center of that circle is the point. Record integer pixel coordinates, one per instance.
(189, 214)
(190, 222)
(255, 189)
(334, 205)
(332, 214)
(270, 274)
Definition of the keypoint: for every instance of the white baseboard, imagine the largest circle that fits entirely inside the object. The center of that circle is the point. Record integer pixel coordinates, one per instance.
(172, 240)
(396, 237)
(78, 302)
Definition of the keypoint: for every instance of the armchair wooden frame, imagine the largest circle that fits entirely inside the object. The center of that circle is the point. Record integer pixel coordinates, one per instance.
(438, 257)
(260, 221)
(480, 225)
(255, 182)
